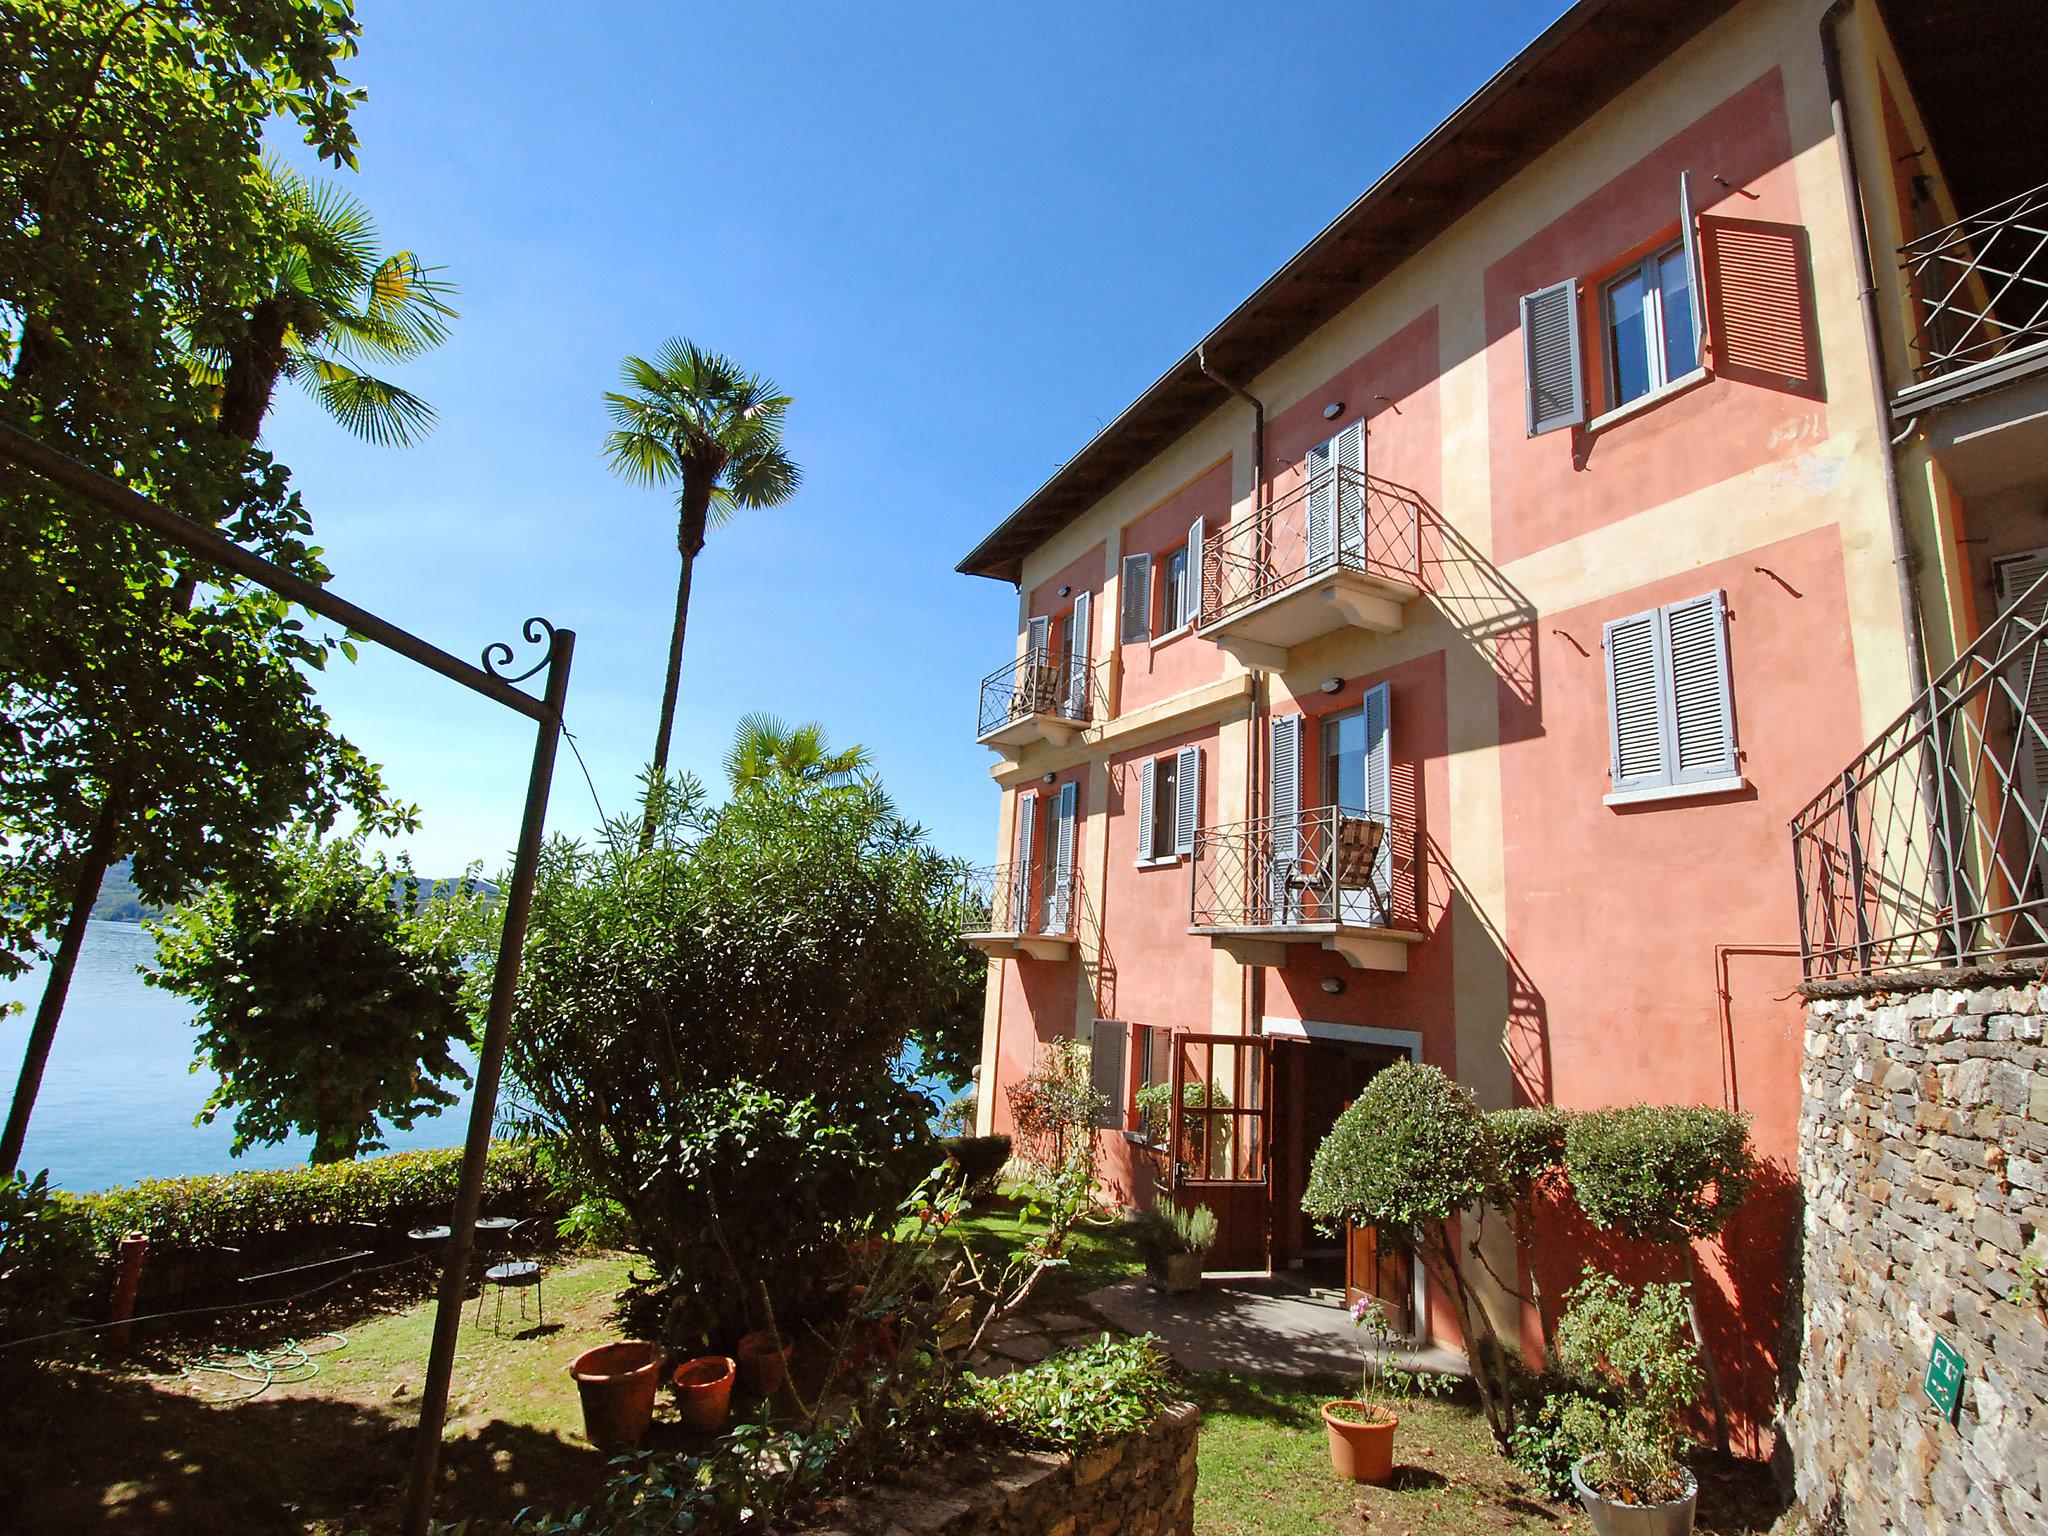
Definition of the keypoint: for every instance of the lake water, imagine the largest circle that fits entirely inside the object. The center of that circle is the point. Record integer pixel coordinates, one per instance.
(118, 1098)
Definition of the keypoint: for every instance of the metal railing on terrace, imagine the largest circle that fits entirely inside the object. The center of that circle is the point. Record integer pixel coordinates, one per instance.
(1316, 867)
(1018, 898)
(1982, 286)
(1339, 519)
(1039, 683)
(1928, 849)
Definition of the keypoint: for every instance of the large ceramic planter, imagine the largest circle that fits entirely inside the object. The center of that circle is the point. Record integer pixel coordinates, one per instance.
(763, 1364)
(617, 1383)
(1612, 1519)
(703, 1393)
(1362, 1452)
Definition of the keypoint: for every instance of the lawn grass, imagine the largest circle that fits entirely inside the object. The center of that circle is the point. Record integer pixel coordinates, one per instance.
(1099, 1253)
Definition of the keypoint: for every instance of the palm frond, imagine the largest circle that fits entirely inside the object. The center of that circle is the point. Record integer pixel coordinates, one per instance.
(373, 409)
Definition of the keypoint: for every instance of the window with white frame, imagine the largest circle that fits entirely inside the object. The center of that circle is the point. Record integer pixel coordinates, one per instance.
(1646, 320)
(1169, 803)
(1670, 707)
(1176, 576)
(1173, 591)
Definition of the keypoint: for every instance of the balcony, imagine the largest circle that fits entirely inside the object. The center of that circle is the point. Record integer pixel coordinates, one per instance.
(1012, 912)
(1341, 550)
(1037, 698)
(1980, 286)
(1928, 851)
(1335, 879)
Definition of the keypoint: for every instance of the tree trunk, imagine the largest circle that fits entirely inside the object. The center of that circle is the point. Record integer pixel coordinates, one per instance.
(1482, 1347)
(253, 373)
(99, 854)
(1699, 1339)
(689, 544)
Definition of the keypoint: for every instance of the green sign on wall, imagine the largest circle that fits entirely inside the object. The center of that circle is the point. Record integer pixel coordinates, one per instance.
(1944, 1383)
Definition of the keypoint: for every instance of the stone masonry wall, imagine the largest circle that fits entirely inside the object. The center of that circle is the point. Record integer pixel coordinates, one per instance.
(1923, 1152)
(1139, 1485)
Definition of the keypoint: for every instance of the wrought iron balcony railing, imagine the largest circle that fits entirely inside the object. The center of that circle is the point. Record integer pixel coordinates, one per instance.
(1338, 520)
(1928, 849)
(1981, 285)
(1067, 688)
(1313, 869)
(1017, 899)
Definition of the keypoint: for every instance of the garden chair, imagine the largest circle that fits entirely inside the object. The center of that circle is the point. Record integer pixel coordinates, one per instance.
(512, 1274)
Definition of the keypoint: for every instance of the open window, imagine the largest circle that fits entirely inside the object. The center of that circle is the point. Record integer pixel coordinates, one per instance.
(1169, 804)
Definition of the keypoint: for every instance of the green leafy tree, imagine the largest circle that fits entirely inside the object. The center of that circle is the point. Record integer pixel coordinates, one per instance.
(333, 306)
(147, 706)
(1673, 1175)
(1408, 1156)
(764, 748)
(330, 996)
(697, 420)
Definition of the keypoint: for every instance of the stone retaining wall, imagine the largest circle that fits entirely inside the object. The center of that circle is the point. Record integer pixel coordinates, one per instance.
(1923, 1151)
(1140, 1485)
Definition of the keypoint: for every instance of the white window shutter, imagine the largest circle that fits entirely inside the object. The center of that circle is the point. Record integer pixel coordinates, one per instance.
(1555, 378)
(1061, 903)
(1037, 638)
(1322, 536)
(1020, 862)
(1135, 599)
(1107, 1055)
(1348, 451)
(1688, 237)
(1635, 702)
(1077, 664)
(1285, 834)
(1187, 810)
(1148, 797)
(1702, 733)
(1191, 588)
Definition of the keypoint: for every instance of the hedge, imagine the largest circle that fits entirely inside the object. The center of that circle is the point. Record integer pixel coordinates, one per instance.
(231, 1210)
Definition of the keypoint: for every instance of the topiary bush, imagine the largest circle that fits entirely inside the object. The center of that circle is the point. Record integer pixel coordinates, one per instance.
(978, 1161)
(1660, 1173)
(1528, 1156)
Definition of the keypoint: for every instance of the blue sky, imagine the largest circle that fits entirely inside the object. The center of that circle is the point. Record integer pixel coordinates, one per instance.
(962, 237)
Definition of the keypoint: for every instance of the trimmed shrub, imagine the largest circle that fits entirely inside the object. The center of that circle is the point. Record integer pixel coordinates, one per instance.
(1528, 1144)
(980, 1161)
(1077, 1398)
(1660, 1173)
(45, 1255)
(233, 1210)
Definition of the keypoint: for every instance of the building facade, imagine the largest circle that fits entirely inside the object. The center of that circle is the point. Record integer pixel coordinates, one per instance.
(1429, 665)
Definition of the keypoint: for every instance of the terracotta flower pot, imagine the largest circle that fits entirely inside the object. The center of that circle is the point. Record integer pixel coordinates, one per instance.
(617, 1383)
(763, 1363)
(1360, 1451)
(703, 1393)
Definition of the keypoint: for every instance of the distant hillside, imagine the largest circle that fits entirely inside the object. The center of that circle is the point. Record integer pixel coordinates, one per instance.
(120, 902)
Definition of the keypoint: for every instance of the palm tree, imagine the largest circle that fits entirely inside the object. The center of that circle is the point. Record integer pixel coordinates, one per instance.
(335, 306)
(697, 419)
(764, 749)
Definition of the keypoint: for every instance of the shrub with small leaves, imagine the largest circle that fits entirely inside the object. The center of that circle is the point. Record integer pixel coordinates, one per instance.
(1639, 1347)
(1078, 1398)
(978, 1161)
(45, 1254)
(1660, 1173)
(1411, 1150)
(1528, 1145)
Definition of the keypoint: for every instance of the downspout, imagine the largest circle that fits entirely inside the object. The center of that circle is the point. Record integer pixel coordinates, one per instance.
(1873, 346)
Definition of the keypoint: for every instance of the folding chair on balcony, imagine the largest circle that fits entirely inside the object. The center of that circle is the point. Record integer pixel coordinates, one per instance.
(1038, 690)
(1344, 863)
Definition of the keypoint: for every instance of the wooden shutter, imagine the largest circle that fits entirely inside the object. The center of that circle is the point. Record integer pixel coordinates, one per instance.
(1348, 453)
(1285, 838)
(1635, 703)
(1702, 724)
(1555, 377)
(1187, 810)
(1148, 794)
(1379, 796)
(2015, 579)
(1038, 638)
(1322, 539)
(1060, 906)
(1021, 857)
(1076, 702)
(1191, 586)
(1688, 237)
(1760, 318)
(1107, 1056)
(1134, 597)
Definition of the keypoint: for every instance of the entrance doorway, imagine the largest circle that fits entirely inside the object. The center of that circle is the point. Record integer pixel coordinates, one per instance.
(1313, 1080)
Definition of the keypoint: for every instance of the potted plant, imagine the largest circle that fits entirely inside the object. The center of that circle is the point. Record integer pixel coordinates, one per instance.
(1629, 1476)
(1361, 1429)
(617, 1383)
(1176, 1244)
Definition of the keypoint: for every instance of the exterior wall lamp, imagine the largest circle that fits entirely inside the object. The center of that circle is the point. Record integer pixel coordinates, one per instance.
(1333, 985)
(1333, 410)
(1333, 685)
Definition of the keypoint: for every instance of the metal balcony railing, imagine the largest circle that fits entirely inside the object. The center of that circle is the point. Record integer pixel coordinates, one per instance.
(1981, 285)
(1017, 899)
(1317, 867)
(1340, 519)
(1039, 683)
(1928, 849)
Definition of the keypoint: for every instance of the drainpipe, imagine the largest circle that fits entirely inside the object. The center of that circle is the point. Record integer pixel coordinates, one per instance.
(1253, 997)
(1873, 344)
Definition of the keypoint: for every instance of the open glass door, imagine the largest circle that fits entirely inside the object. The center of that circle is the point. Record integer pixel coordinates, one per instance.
(1220, 1143)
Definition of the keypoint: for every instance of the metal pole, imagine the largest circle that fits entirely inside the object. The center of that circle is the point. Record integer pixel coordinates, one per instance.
(426, 1465)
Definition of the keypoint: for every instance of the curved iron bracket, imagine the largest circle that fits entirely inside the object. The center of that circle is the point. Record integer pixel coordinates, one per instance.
(499, 654)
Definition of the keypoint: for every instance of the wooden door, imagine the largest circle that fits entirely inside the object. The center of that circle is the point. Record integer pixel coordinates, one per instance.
(1219, 1137)
(1376, 1268)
